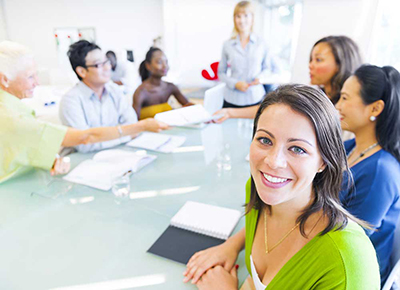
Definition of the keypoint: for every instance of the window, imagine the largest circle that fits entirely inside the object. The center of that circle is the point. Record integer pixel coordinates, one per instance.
(281, 29)
(385, 43)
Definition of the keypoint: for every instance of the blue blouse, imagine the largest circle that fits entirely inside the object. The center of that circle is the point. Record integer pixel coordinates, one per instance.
(375, 200)
(246, 64)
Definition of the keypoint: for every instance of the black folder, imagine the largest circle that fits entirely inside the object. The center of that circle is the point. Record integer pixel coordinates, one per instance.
(179, 245)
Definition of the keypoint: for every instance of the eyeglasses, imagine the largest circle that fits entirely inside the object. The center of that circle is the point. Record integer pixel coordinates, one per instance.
(99, 65)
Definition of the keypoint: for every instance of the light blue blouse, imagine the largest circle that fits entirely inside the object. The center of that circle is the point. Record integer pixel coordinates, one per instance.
(245, 64)
(81, 108)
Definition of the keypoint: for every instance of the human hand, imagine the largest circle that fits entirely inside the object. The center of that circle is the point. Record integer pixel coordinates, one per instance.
(61, 165)
(241, 86)
(188, 104)
(224, 255)
(255, 82)
(153, 125)
(219, 278)
(225, 115)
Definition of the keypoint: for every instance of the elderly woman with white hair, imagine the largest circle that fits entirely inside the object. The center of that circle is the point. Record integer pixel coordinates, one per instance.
(26, 142)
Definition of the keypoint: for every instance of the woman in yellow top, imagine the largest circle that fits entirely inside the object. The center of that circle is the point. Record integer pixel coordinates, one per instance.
(152, 95)
(27, 142)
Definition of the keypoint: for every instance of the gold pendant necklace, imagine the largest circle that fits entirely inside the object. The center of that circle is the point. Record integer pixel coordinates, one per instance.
(280, 241)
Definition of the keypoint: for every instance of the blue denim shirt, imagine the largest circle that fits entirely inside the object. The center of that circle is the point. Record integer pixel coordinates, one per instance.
(245, 64)
(81, 108)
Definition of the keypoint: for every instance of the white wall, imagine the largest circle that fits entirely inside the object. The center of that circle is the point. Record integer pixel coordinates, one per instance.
(194, 32)
(3, 30)
(119, 24)
(353, 18)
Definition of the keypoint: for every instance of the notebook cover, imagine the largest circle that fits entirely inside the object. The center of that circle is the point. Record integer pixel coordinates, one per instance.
(179, 244)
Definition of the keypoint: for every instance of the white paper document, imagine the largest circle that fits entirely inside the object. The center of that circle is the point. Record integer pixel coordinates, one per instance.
(157, 142)
(107, 165)
(214, 98)
(186, 116)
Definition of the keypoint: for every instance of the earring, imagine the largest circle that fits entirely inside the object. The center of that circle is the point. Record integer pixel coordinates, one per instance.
(372, 118)
(320, 170)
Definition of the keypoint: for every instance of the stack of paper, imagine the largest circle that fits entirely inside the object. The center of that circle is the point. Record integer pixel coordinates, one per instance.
(157, 142)
(186, 116)
(107, 165)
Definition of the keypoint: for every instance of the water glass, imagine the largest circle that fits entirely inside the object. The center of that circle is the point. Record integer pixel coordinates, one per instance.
(121, 187)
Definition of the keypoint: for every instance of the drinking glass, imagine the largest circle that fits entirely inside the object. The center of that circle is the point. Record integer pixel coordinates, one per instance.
(121, 187)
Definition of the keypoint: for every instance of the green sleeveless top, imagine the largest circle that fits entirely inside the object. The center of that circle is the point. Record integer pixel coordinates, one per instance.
(344, 259)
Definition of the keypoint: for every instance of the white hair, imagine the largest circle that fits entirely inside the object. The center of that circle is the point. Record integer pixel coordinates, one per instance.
(13, 58)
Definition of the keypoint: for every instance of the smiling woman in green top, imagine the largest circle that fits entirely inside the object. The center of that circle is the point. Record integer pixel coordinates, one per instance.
(26, 142)
(297, 236)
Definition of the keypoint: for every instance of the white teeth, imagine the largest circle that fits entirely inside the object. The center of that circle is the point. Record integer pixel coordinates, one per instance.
(274, 179)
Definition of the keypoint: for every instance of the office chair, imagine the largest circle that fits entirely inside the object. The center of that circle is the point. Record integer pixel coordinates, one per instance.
(393, 281)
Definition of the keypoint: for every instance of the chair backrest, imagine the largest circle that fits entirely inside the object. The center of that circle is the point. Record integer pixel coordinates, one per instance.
(214, 98)
(394, 276)
(396, 245)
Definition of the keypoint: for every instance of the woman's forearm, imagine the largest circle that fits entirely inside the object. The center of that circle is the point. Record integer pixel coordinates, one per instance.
(238, 240)
(248, 113)
(75, 137)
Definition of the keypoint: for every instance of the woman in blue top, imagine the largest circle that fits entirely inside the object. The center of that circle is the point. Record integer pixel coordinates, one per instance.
(369, 106)
(248, 59)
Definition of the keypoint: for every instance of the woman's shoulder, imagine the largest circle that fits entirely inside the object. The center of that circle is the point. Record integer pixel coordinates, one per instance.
(388, 162)
(382, 165)
(344, 240)
(353, 245)
(170, 85)
(349, 144)
(352, 232)
(352, 253)
(142, 88)
(229, 43)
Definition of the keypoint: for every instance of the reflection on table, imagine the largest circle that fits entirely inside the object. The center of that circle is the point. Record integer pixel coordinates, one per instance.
(60, 235)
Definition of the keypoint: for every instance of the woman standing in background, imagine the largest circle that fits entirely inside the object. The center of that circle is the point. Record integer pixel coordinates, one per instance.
(332, 60)
(248, 58)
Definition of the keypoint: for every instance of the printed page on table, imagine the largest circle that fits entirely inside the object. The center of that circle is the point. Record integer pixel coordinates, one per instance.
(150, 141)
(95, 174)
(105, 166)
(185, 116)
(127, 160)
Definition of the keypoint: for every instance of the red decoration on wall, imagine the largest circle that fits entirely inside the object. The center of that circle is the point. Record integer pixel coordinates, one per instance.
(56, 35)
(69, 36)
(80, 34)
(214, 68)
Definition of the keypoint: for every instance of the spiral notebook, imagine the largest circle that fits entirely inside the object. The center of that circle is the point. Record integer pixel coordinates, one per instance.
(196, 226)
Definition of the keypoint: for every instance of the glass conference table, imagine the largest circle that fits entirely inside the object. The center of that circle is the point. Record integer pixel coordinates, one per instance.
(59, 235)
